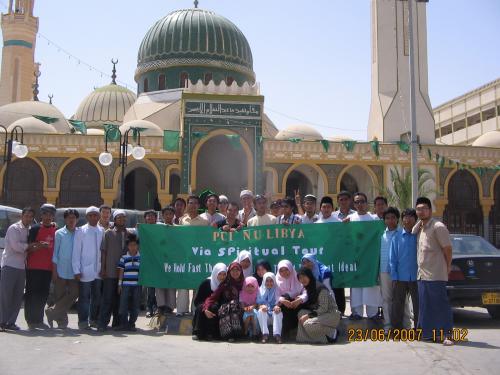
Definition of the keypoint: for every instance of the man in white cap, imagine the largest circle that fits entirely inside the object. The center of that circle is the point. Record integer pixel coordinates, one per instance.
(39, 267)
(86, 262)
(248, 211)
(112, 249)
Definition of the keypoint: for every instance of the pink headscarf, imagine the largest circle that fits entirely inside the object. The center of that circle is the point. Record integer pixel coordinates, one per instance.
(290, 286)
(246, 298)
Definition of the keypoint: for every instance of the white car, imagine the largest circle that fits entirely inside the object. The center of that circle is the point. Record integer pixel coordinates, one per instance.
(8, 216)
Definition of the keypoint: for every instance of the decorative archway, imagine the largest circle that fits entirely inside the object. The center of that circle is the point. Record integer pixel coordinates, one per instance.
(174, 183)
(312, 178)
(356, 178)
(79, 185)
(24, 184)
(494, 219)
(463, 213)
(221, 167)
(141, 190)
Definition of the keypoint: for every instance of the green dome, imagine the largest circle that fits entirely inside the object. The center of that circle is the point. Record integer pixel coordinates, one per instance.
(195, 38)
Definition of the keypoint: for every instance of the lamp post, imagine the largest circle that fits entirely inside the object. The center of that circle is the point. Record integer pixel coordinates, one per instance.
(124, 151)
(12, 145)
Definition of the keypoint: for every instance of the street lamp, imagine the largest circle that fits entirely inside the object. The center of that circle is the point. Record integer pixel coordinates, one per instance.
(12, 145)
(138, 152)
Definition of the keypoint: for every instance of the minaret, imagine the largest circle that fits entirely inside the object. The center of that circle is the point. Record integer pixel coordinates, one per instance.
(19, 28)
(390, 104)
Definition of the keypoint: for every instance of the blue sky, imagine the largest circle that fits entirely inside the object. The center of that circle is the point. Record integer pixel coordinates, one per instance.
(312, 58)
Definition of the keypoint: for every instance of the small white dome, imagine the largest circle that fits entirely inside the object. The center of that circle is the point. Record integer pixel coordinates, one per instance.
(33, 125)
(304, 132)
(151, 129)
(489, 139)
(18, 110)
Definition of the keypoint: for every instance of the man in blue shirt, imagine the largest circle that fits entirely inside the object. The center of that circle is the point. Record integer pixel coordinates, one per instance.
(65, 284)
(403, 268)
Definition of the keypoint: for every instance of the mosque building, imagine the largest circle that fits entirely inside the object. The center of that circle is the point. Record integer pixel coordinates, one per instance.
(200, 119)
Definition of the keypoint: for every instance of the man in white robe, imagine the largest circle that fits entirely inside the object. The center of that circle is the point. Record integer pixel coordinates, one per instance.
(368, 296)
(86, 262)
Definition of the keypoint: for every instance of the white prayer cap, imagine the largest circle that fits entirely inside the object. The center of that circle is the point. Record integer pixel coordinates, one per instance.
(118, 213)
(92, 210)
(246, 193)
(47, 207)
(223, 199)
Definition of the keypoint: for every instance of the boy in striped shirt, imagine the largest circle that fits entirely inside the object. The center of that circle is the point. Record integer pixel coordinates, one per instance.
(128, 284)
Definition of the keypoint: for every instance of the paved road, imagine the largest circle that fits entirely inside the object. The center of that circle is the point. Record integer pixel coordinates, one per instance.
(146, 352)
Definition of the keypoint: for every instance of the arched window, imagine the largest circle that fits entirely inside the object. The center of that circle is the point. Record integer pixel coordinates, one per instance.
(184, 80)
(229, 80)
(161, 82)
(208, 78)
(146, 85)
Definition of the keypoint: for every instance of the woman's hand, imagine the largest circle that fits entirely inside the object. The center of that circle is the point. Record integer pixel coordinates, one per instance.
(303, 319)
(287, 303)
(209, 314)
(296, 303)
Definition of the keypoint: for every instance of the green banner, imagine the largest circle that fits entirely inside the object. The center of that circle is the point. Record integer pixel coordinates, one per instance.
(182, 256)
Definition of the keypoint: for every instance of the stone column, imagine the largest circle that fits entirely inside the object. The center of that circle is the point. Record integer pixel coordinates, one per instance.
(486, 205)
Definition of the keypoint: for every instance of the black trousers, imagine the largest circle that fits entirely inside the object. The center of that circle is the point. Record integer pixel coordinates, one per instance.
(340, 299)
(110, 303)
(204, 327)
(36, 294)
(400, 289)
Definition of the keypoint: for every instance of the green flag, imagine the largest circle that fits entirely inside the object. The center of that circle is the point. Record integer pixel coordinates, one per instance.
(326, 144)
(111, 133)
(349, 145)
(261, 139)
(79, 126)
(403, 146)
(234, 140)
(375, 147)
(135, 133)
(294, 140)
(171, 140)
(183, 256)
(429, 154)
(46, 119)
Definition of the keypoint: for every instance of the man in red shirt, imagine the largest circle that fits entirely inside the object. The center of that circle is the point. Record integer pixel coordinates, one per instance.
(39, 267)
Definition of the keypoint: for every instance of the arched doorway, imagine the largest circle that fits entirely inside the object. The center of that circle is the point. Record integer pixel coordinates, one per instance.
(24, 184)
(307, 180)
(495, 216)
(463, 212)
(221, 167)
(80, 185)
(298, 181)
(356, 179)
(141, 190)
(174, 186)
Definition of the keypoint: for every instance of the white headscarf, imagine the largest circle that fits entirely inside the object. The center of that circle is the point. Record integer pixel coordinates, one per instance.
(245, 254)
(291, 285)
(214, 281)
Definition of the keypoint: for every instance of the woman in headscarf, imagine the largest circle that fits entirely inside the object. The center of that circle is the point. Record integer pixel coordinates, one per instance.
(224, 304)
(321, 272)
(291, 295)
(248, 301)
(244, 258)
(267, 309)
(261, 267)
(319, 316)
(204, 328)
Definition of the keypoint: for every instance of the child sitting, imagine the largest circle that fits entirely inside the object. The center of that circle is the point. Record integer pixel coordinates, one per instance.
(128, 285)
(267, 310)
(248, 298)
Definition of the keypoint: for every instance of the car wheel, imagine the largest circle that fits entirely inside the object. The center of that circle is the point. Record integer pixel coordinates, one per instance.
(494, 311)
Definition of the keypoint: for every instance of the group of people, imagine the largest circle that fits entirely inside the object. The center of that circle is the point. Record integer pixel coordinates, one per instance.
(98, 265)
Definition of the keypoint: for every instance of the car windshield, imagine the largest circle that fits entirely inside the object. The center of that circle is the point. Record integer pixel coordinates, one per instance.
(472, 245)
(7, 218)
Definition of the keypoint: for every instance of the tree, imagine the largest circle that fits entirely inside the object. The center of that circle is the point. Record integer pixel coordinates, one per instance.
(399, 195)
